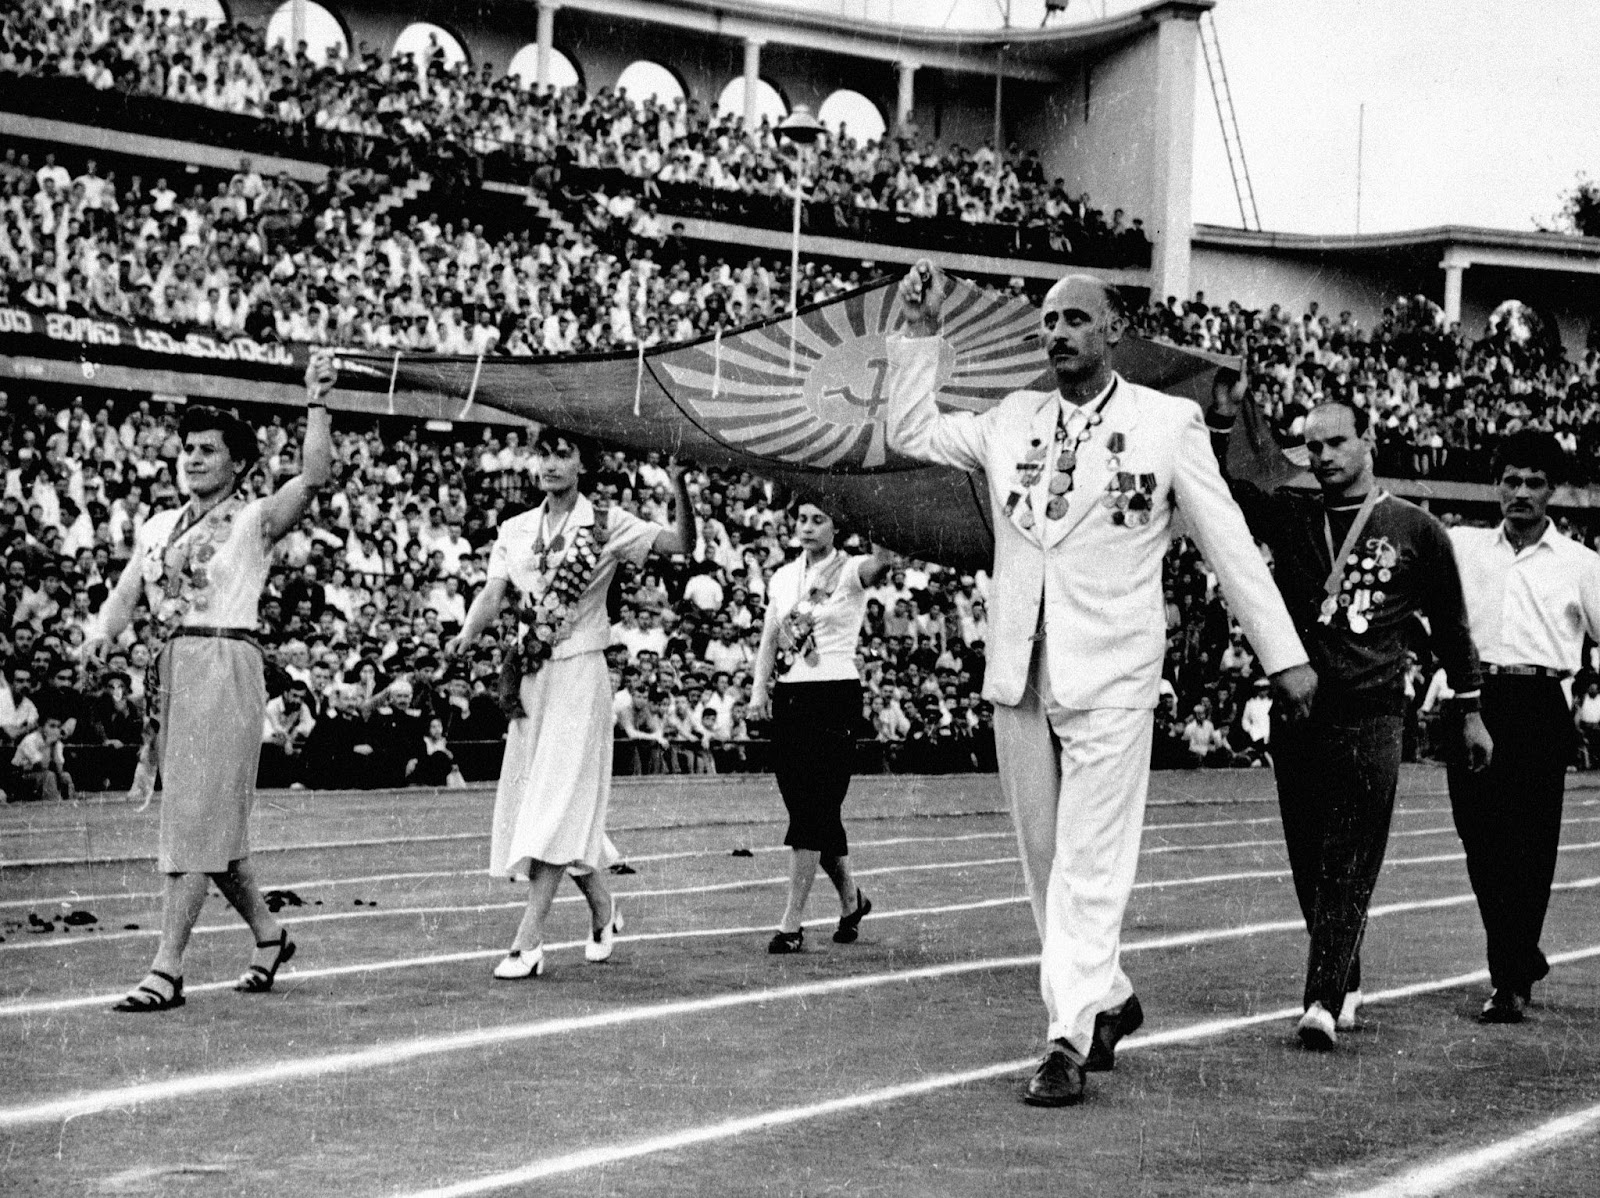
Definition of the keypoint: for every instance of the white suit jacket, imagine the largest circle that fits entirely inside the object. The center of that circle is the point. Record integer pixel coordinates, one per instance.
(1099, 581)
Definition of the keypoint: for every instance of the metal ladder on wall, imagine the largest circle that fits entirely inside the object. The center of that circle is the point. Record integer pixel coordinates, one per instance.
(1222, 96)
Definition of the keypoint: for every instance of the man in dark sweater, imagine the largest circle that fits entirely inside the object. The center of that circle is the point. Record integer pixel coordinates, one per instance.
(1357, 567)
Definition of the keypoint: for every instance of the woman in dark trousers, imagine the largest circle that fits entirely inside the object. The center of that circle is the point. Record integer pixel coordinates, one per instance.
(806, 676)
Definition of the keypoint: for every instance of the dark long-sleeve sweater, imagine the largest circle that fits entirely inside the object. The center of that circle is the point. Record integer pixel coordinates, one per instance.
(1401, 567)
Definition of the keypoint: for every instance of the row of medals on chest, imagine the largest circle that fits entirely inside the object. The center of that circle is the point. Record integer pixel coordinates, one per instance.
(1128, 497)
(1361, 574)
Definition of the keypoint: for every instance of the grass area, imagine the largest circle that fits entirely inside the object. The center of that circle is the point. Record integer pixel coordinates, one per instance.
(389, 1062)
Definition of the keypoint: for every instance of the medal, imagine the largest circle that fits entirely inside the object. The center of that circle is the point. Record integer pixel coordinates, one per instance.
(1329, 606)
(1060, 484)
(1056, 508)
(1068, 461)
(1026, 519)
(1358, 623)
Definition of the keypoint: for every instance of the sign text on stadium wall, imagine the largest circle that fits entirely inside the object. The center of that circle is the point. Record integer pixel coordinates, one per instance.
(84, 330)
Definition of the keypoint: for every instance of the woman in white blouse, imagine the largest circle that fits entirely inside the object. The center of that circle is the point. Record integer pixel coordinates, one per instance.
(806, 677)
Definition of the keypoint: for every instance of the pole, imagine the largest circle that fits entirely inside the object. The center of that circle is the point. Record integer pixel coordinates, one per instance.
(794, 263)
(1361, 136)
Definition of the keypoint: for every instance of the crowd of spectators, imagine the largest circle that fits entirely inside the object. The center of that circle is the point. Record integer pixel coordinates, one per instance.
(421, 110)
(267, 259)
(365, 592)
(1440, 398)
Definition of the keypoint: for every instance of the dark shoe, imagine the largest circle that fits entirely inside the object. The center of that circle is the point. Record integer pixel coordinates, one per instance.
(258, 979)
(148, 1000)
(1058, 1080)
(1109, 1027)
(1504, 1006)
(786, 942)
(850, 925)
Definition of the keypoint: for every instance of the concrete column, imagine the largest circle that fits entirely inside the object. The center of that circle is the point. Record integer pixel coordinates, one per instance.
(1170, 222)
(752, 76)
(907, 98)
(546, 42)
(1452, 289)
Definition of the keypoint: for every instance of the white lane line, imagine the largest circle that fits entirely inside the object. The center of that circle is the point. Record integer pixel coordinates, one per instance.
(81, 940)
(423, 875)
(419, 875)
(319, 846)
(612, 1154)
(383, 1055)
(1446, 1173)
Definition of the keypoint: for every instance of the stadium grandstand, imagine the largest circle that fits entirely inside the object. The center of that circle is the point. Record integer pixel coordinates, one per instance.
(320, 180)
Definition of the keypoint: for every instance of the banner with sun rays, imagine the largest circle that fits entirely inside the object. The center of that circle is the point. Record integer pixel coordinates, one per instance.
(800, 400)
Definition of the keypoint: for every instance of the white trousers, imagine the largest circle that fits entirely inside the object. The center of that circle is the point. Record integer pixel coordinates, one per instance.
(1076, 783)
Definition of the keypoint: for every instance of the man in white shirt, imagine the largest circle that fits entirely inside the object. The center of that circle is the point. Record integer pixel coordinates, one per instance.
(1532, 595)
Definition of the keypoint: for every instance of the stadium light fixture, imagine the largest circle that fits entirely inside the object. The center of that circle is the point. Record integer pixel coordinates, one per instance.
(803, 130)
(801, 127)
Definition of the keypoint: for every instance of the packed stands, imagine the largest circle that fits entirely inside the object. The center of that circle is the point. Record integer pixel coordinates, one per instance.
(368, 589)
(466, 125)
(1440, 398)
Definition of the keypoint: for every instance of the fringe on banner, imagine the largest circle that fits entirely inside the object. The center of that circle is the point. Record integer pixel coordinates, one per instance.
(716, 368)
(472, 391)
(638, 381)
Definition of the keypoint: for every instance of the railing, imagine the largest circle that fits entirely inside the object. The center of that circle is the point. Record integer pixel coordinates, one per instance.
(73, 99)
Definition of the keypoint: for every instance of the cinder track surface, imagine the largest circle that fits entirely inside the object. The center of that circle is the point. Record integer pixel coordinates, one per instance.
(389, 1062)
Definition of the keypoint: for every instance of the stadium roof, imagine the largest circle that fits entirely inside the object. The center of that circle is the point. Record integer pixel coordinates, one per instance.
(1040, 54)
(1467, 245)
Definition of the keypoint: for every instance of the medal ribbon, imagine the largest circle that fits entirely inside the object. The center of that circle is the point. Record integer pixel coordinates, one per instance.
(1335, 580)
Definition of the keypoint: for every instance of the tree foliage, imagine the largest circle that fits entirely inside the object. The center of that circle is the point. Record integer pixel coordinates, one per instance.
(1580, 210)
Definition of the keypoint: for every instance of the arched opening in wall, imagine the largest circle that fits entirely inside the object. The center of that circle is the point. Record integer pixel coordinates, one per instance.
(849, 114)
(769, 101)
(421, 40)
(209, 11)
(644, 80)
(524, 66)
(323, 33)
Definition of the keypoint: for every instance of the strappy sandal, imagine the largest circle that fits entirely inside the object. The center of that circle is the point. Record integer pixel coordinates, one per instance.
(148, 1000)
(258, 979)
(850, 925)
(786, 942)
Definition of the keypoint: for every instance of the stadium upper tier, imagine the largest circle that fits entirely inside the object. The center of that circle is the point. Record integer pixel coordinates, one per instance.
(434, 113)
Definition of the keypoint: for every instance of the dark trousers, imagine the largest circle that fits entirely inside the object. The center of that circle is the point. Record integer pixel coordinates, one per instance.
(1509, 820)
(1336, 775)
(813, 750)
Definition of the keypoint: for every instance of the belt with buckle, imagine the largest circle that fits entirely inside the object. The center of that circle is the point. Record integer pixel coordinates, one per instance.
(1524, 671)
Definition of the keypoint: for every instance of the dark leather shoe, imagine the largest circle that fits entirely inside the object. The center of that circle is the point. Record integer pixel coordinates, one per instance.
(1058, 1080)
(1109, 1027)
(1505, 1005)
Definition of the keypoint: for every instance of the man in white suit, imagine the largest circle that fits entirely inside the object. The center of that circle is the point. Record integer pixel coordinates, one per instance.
(1083, 483)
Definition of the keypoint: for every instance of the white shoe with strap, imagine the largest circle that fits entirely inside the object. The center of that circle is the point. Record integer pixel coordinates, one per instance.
(601, 943)
(519, 964)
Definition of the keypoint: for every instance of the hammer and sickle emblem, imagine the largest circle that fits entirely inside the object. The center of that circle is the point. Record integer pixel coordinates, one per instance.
(873, 401)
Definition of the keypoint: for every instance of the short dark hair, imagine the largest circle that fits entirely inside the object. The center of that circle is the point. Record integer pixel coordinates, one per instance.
(1532, 449)
(1362, 418)
(588, 448)
(238, 438)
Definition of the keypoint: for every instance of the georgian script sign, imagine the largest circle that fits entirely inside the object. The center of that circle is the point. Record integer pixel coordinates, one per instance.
(92, 332)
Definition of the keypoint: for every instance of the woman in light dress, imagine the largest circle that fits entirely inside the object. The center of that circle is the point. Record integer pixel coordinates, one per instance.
(805, 677)
(556, 562)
